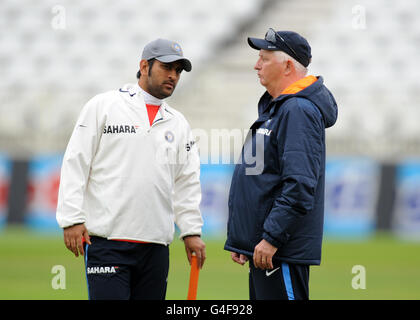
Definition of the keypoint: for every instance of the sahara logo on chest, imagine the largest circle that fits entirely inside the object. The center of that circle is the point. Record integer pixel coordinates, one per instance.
(119, 128)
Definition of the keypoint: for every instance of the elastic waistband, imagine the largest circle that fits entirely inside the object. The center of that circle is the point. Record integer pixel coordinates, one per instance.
(121, 240)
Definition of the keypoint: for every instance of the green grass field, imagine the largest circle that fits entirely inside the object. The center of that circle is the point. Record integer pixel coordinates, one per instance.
(392, 270)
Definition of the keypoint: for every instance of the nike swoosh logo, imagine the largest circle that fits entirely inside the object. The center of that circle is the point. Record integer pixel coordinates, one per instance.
(83, 126)
(269, 273)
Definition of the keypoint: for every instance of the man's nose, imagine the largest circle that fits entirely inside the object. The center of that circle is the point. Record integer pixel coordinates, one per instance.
(172, 74)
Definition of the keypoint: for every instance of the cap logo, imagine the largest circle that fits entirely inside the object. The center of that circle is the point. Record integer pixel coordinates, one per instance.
(177, 48)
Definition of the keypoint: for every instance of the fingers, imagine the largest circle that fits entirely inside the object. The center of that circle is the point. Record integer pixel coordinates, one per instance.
(235, 257)
(73, 246)
(79, 243)
(263, 255)
(73, 239)
(189, 254)
(243, 259)
(196, 245)
(262, 261)
(67, 242)
(201, 257)
(238, 258)
(256, 259)
(270, 263)
(86, 236)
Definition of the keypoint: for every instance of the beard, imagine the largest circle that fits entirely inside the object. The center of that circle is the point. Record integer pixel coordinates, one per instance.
(162, 90)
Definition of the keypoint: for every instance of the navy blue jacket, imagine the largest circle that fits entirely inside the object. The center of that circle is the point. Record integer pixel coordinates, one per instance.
(277, 189)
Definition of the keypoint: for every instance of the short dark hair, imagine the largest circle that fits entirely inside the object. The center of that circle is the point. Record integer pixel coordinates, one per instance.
(150, 62)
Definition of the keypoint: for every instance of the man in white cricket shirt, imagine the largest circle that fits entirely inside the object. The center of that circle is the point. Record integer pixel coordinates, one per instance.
(130, 171)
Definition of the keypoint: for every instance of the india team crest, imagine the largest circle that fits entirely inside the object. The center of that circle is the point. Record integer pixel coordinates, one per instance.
(169, 136)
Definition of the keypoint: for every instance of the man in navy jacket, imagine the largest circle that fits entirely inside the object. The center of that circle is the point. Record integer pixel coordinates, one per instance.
(276, 200)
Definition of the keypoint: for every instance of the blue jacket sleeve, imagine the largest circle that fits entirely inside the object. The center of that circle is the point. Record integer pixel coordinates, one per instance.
(299, 142)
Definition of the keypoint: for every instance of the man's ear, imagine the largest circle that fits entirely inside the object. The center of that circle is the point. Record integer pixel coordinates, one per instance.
(289, 68)
(144, 67)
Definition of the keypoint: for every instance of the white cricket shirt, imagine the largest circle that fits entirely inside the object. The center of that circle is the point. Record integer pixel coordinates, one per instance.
(126, 179)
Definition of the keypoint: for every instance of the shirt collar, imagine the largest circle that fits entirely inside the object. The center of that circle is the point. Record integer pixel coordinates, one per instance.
(137, 98)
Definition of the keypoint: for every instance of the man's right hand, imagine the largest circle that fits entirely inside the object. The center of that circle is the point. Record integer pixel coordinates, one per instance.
(73, 238)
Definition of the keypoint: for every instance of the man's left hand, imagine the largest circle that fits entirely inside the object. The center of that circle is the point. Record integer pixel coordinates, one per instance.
(263, 255)
(195, 244)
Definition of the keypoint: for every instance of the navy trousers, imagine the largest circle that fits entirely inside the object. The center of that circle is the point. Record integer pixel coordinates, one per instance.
(285, 281)
(120, 270)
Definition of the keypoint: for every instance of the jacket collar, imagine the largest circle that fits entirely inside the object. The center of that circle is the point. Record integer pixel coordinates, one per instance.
(297, 88)
(132, 93)
(299, 85)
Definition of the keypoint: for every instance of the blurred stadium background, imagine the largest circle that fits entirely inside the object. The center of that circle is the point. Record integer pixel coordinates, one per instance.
(55, 55)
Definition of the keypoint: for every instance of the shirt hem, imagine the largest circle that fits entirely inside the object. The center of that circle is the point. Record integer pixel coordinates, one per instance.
(139, 240)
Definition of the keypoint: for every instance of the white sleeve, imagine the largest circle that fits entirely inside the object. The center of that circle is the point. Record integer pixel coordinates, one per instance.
(187, 193)
(76, 166)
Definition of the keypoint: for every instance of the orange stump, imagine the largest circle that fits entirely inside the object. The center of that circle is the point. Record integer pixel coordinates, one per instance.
(192, 288)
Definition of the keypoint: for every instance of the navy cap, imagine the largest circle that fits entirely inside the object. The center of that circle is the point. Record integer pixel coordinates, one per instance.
(289, 42)
(165, 51)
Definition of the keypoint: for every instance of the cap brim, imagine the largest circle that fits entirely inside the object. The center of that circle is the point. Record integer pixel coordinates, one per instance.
(172, 58)
(259, 44)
